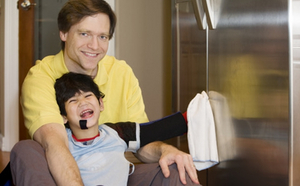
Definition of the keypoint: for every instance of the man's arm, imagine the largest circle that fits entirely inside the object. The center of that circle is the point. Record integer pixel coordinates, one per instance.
(166, 155)
(53, 138)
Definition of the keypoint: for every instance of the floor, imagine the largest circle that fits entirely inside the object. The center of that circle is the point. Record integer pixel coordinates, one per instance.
(4, 159)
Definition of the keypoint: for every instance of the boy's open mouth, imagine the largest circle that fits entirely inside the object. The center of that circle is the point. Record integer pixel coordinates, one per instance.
(86, 113)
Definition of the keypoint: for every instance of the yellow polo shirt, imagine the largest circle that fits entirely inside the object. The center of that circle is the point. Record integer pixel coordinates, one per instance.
(122, 102)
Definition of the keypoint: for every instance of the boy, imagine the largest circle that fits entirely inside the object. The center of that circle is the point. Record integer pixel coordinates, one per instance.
(99, 150)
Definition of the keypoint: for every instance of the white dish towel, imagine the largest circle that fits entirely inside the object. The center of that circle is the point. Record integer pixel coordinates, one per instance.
(201, 132)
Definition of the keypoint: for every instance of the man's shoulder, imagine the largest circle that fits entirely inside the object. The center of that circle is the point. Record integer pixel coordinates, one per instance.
(51, 60)
(51, 66)
(111, 61)
(115, 68)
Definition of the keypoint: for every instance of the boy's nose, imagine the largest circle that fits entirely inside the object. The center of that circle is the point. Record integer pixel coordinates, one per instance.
(82, 102)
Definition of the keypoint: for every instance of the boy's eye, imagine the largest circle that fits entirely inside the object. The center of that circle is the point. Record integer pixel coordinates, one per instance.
(88, 95)
(72, 100)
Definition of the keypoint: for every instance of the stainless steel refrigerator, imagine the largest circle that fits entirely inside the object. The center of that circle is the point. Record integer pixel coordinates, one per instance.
(246, 55)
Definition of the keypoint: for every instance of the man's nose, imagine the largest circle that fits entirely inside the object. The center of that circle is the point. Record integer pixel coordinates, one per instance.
(93, 43)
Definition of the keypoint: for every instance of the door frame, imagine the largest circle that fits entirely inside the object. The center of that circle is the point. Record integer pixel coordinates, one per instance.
(10, 103)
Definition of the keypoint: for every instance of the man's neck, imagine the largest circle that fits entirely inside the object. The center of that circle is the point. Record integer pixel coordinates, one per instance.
(74, 67)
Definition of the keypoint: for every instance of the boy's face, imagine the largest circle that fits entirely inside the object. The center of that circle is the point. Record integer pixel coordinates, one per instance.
(83, 106)
(86, 43)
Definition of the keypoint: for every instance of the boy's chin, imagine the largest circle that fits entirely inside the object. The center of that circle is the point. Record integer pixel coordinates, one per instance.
(93, 125)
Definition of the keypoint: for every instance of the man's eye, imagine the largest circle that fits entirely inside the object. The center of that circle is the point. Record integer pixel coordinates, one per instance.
(84, 34)
(104, 37)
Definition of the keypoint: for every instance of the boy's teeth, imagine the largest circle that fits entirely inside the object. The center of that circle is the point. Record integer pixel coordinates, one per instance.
(86, 113)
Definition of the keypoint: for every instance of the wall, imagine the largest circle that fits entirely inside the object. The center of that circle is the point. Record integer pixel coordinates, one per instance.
(9, 72)
(1, 68)
(143, 40)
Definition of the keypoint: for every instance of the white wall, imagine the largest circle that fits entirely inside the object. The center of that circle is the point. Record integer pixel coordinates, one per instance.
(1, 70)
(9, 102)
(111, 46)
(143, 40)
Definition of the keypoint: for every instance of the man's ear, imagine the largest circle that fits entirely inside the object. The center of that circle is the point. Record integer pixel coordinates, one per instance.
(63, 36)
(65, 119)
(101, 104)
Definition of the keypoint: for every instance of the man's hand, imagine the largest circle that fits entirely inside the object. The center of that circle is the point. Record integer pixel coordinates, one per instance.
(183, 160)
(166, 155)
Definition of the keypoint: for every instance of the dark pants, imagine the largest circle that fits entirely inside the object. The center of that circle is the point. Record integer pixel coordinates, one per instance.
(29, 167)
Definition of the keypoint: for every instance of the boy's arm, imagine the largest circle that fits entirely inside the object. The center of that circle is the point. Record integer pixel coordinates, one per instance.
(163, 129)
(53, 138)
(158, 130)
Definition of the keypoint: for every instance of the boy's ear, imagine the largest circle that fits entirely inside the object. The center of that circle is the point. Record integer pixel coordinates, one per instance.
(101, 104)
(65, 119)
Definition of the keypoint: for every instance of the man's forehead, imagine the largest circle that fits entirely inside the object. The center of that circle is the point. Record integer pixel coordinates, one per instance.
(101, 19)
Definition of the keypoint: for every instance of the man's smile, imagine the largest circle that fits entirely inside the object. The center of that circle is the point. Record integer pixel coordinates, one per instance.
(90, 54)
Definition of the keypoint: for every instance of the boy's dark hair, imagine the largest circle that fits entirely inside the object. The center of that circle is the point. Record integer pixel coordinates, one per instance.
(74, 10)
(71, 83)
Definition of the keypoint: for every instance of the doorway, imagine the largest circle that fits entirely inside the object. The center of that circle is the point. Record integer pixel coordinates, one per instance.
(38, 37)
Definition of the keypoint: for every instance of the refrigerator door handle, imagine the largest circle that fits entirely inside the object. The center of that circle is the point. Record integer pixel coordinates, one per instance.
(199, 14)
(210, 14)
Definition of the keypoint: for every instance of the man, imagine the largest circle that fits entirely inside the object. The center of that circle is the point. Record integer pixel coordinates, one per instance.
(85, 29)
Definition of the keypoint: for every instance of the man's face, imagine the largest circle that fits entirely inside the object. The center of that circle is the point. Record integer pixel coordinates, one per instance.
(83, 106)
(86, 43)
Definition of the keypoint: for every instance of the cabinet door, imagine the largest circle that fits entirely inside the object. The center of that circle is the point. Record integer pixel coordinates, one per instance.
(249, 67)
(189, 55)
(189, 63)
